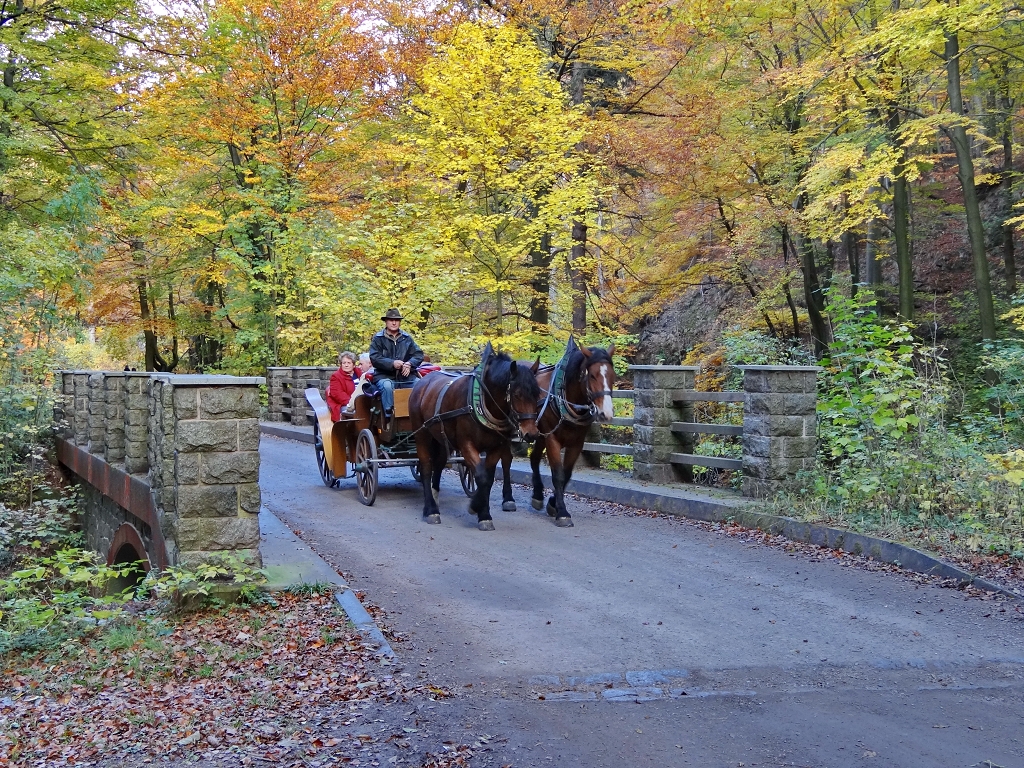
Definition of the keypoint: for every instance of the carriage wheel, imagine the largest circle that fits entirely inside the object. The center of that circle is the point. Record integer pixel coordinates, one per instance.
(321, 458)
(366, 472)
(467, 478)
(417, 472)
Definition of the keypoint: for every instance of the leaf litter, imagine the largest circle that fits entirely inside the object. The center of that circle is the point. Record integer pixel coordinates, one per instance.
(269, 684)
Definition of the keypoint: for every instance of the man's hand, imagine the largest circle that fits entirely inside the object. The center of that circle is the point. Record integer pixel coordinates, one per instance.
(406, 367)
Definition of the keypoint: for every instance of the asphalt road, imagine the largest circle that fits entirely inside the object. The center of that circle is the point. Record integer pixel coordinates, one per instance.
(649, 641)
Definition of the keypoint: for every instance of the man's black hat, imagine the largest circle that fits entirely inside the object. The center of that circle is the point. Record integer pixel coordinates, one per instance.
(392, 314)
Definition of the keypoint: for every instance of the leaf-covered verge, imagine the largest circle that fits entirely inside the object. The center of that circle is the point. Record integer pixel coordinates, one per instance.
(93, 674)
(248, 682)
(903, 452)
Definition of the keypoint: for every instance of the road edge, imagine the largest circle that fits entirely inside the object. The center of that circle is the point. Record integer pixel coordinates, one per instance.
(714, 510)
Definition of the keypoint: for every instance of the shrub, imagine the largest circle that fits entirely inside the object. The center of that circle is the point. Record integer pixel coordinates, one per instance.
(881, 387)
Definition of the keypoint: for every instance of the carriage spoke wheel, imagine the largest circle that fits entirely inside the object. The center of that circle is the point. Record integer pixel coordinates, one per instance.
(366, 469)
(321, 458)
(467, 478)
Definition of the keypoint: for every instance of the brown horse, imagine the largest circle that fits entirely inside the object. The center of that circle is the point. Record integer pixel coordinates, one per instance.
(576, 392)
(476, 413)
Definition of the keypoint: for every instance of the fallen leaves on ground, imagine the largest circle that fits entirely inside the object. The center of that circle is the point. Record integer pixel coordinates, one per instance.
(245, 683)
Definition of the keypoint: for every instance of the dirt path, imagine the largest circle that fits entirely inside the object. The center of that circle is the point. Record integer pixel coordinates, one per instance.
(652, 641)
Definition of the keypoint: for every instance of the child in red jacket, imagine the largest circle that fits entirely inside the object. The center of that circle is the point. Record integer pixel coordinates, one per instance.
(343, 384)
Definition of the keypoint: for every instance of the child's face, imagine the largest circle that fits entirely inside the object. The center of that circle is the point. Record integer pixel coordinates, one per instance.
(347, 365)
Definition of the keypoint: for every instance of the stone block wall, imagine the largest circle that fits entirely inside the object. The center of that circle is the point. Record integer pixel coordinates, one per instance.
(135, 412)
(216, 468)
(97, 418)
(113, 440)
(653, 414)
(193, 443)
(80, 420)
(286, 386)
(278, 380)
(780, 425)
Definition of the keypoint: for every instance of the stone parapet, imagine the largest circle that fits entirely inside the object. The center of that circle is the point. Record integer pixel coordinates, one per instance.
(278, 381)
(779, 425)
(654, 410)
(191, 441)
(285, 387)
(779, 435)
(114, 439)
(97, 409)
(135, 418)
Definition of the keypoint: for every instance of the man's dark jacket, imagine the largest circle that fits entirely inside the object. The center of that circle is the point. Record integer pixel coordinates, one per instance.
(384, 350)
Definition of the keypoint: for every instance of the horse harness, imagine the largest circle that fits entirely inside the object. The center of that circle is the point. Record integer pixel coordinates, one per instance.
(477, 406)
(578, 414)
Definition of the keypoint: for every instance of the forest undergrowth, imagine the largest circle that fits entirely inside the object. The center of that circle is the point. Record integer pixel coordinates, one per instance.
(93, 674)
(910, 448)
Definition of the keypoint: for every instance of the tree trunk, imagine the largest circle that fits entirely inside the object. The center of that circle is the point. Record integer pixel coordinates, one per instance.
(577, 279)
(852, 259)
(813, 296)
(965, 165)
(1006, 180)
(901, 231)
(540, 282)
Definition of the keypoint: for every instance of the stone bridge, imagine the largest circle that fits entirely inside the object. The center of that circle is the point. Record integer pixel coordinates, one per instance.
(169, 464)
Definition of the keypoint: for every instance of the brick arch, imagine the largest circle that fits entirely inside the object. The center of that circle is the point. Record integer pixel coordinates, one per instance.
(128, 535)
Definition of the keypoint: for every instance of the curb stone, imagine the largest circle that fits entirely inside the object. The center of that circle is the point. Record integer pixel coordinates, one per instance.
(291, 561)
(695, 506)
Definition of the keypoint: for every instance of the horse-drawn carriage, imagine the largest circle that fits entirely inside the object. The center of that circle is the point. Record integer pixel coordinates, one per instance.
(470, 421)
(360, 443)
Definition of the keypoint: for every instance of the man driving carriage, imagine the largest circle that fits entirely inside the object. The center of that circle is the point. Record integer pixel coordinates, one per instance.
(395, 356)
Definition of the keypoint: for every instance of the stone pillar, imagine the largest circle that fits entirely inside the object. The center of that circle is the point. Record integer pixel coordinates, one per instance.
(160, 454)
(278, 380)
(654, 410)
(303, 377)
(114, 416)
(135, 410)
(97, 430)
(64, 405)
(779, 425)
(80, 424)
(216, 466)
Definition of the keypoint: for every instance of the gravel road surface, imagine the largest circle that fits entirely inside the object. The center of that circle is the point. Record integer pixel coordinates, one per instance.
(651, 641)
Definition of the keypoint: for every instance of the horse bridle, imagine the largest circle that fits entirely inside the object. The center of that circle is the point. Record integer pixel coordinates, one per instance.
(591, 394)
(580, 414)
(511, 422)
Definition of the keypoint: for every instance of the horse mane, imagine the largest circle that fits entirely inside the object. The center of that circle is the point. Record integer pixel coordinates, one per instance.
(573, 368)
(499, 370)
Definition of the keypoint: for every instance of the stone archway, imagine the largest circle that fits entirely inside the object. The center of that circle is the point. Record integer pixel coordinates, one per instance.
(127, 547)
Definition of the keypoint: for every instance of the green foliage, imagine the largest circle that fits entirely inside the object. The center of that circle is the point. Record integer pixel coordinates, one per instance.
(195, 583)
(893, 463)
(881, 386)
(939, 492)
(52, 597)
(1002, 362)
(752, 347)
(305, 589)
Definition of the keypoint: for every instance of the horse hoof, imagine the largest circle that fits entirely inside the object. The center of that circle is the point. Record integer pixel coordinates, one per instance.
(552, 509)
(485, 525)
(564, 522)
(508, 506)
(434, 519)
(537, 503)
